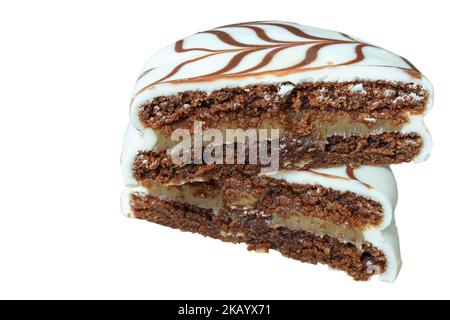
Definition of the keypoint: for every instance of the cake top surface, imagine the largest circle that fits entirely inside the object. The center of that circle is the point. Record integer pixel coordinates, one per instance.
(269, 51)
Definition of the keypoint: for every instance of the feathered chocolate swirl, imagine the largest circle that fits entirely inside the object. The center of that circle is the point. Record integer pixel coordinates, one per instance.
(254, 49)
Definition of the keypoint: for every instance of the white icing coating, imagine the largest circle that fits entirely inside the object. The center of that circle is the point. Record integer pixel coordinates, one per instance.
(125, 199)
(133, 142)
(357, 88)
(376, 183)
(387, 241)
(285, 88)
(417, 125)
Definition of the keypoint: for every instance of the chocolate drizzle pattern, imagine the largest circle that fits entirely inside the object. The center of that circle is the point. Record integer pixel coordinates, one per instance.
(251, 49)
(349, 171)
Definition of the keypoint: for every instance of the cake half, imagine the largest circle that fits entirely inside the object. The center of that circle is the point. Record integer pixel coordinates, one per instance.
(334, 111)
(342, 217)
(336, 100)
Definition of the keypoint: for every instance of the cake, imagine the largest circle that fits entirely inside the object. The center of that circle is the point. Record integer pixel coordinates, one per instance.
(330, 111)
(337, 216)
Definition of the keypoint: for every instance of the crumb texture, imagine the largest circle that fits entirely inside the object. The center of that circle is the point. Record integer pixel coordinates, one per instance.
(255, 230)
(378, 150)
(249, 107)
(284, 199)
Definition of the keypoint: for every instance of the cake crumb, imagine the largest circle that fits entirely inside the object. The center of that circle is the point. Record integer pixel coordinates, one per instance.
(357, 88)
(285, 88)
(410, 96)
(389, 93)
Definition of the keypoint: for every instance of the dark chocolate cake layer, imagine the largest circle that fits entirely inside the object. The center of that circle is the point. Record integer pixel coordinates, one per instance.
(381, 149)
(362, 101)
(257, 232)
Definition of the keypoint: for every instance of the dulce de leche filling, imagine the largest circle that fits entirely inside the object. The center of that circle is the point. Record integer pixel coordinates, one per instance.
(313, 125)
(311, 208)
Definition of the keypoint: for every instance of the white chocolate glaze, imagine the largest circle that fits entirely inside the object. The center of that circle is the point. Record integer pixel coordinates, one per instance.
(270, 51)
(133, 142)
(417, 125)
(387, 241)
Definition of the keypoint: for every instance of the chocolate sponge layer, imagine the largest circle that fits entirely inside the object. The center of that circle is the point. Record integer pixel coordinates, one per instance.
(256, 231)
(249, 107)
(382, 149)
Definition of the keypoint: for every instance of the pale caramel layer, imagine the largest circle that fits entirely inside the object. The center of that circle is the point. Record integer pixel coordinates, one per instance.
(197, 194)
(210, 196)
(297, 221)
(319, 126)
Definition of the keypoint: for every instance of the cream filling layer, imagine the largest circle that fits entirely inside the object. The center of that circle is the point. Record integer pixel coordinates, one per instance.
(211, 197)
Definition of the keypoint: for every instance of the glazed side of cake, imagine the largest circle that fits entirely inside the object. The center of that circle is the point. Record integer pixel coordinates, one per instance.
(341, 106)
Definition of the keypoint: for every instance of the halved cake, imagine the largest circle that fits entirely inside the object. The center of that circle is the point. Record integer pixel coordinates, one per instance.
(335, 99)
(342, 217)
(330, 113)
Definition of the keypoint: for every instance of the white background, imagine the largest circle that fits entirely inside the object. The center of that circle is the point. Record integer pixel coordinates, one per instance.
(66, 73)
